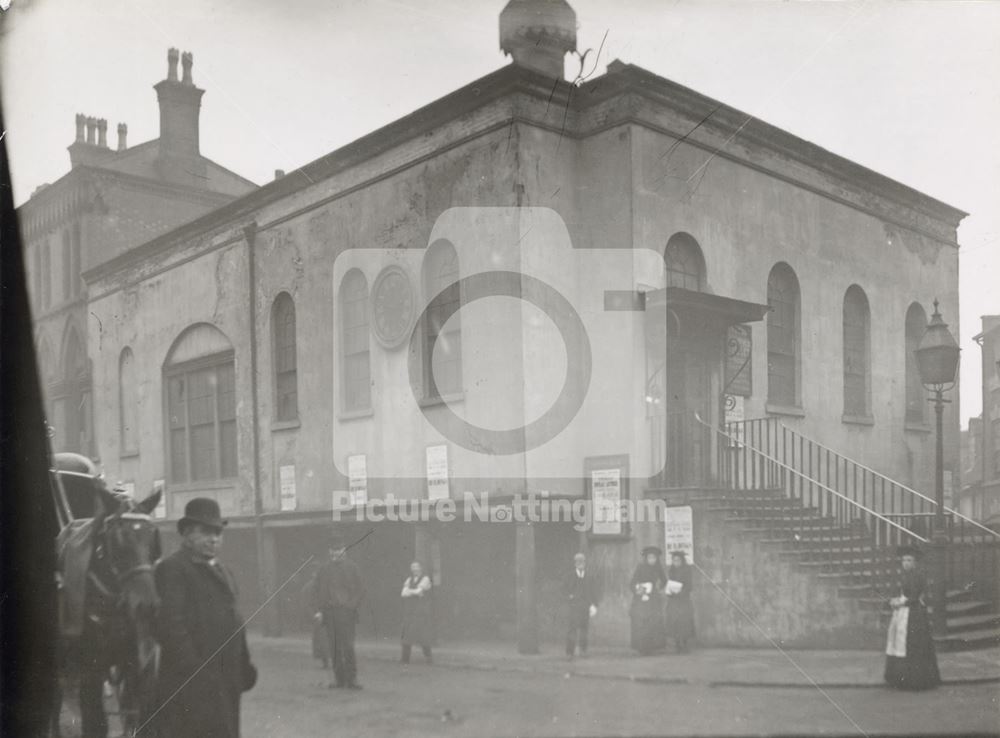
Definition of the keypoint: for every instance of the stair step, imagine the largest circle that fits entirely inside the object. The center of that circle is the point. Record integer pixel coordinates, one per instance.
(969, 640)
(963, 623)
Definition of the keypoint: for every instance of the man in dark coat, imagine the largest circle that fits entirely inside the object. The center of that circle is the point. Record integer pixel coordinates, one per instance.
(337, 597)
(580, 591)
(204, 662)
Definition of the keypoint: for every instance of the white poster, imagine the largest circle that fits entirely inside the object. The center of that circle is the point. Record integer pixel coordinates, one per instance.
(160, 511)
(437, 473)
(735, 413)
(606, 498)
(286, 478)
(357, 473)
(679, 532)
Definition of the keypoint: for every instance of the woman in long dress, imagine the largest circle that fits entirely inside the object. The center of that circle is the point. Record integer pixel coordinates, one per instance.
(680, 611)
(648, 582)
(911, 662)
(418, 615)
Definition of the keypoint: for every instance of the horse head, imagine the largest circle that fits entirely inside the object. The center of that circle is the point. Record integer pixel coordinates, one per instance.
(131, 548)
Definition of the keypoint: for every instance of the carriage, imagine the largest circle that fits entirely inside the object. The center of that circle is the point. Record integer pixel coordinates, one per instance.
(106, 549)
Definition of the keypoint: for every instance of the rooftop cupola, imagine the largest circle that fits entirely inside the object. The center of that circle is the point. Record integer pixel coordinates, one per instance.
(538, 34)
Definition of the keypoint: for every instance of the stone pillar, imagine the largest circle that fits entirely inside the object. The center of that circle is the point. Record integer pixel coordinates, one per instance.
(527, 606)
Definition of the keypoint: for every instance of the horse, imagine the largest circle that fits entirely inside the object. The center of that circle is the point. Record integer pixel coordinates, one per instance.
(108, 597)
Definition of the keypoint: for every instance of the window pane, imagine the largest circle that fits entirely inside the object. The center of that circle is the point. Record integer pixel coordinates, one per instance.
(203, 446)
(856, 370)
(178, 455)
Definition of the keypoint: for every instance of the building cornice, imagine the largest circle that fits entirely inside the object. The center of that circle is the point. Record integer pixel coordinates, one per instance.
(554, 98)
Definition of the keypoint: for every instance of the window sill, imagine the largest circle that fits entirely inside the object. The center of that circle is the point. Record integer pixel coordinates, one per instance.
(130, 454)
(203, 485)
(355, 414)
(794, 411)
(281, 425)
(442, 400)
(916, 426)
(858, 419)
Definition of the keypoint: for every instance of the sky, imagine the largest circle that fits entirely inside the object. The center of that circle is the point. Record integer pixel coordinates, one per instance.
(909, 88)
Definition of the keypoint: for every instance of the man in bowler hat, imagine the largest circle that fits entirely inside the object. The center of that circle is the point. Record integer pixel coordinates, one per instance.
(204, 662)
(580, 591)
(336, 599)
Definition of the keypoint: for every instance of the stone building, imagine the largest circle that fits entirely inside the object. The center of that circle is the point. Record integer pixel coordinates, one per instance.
(111, 200)
(304, 339)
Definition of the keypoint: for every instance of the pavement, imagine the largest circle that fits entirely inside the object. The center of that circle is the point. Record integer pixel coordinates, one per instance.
(713, 667)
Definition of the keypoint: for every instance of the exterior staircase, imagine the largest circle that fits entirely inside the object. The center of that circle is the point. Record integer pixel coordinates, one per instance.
(841, 523)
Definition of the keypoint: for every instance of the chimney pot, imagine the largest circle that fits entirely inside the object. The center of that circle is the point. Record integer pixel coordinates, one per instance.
(102, 133)
(172, 55)
(91, 130)
(187, 61)
(279, 173)
(122, 134)
(81, 120)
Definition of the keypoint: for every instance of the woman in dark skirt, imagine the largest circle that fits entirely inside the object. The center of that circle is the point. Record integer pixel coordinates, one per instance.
(680, 611)
(910, 662)
(648, 581)
(418, 614)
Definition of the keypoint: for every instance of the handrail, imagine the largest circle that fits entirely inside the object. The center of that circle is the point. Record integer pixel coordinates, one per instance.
(881, 476)
(818, 484)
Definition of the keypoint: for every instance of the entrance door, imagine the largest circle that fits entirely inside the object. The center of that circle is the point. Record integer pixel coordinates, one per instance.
(690, 365)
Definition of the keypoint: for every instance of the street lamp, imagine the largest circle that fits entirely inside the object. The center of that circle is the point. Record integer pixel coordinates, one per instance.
(937, 362)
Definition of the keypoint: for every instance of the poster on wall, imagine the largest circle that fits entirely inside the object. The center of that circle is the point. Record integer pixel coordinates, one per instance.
(160, 511)
(678, 531)
(286, 481)
(606, 488)
(606, 493)
(437, 473)
(357, 474)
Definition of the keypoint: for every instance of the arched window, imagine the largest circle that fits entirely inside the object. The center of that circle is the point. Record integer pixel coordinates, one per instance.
(685, 265)
(354, 336)
(783, 342)
(128, 403)
(286, 383)
(200, 386)
(916, 324)
(72, 399)
(857, 353)
(442, 348)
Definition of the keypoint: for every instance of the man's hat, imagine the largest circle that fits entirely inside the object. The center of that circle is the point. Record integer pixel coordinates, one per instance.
(678, 554)
(913, 551)
(652, 550)
(202, 510)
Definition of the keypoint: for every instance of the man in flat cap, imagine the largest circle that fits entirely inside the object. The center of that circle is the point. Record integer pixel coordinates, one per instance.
(337, 596)
(205, 664)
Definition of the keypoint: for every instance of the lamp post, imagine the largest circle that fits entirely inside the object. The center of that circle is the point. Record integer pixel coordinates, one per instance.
(937, 362)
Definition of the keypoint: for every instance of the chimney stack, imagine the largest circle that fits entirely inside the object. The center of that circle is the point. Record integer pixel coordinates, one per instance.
(122, 133)
(102, 133)
(180, 106)
(81, 121)
(279, 173)
(90, 146)
(91, 130)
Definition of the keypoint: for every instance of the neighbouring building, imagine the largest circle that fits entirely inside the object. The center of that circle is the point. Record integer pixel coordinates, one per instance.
(305, 339)
(111, 200)
(981, 491)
